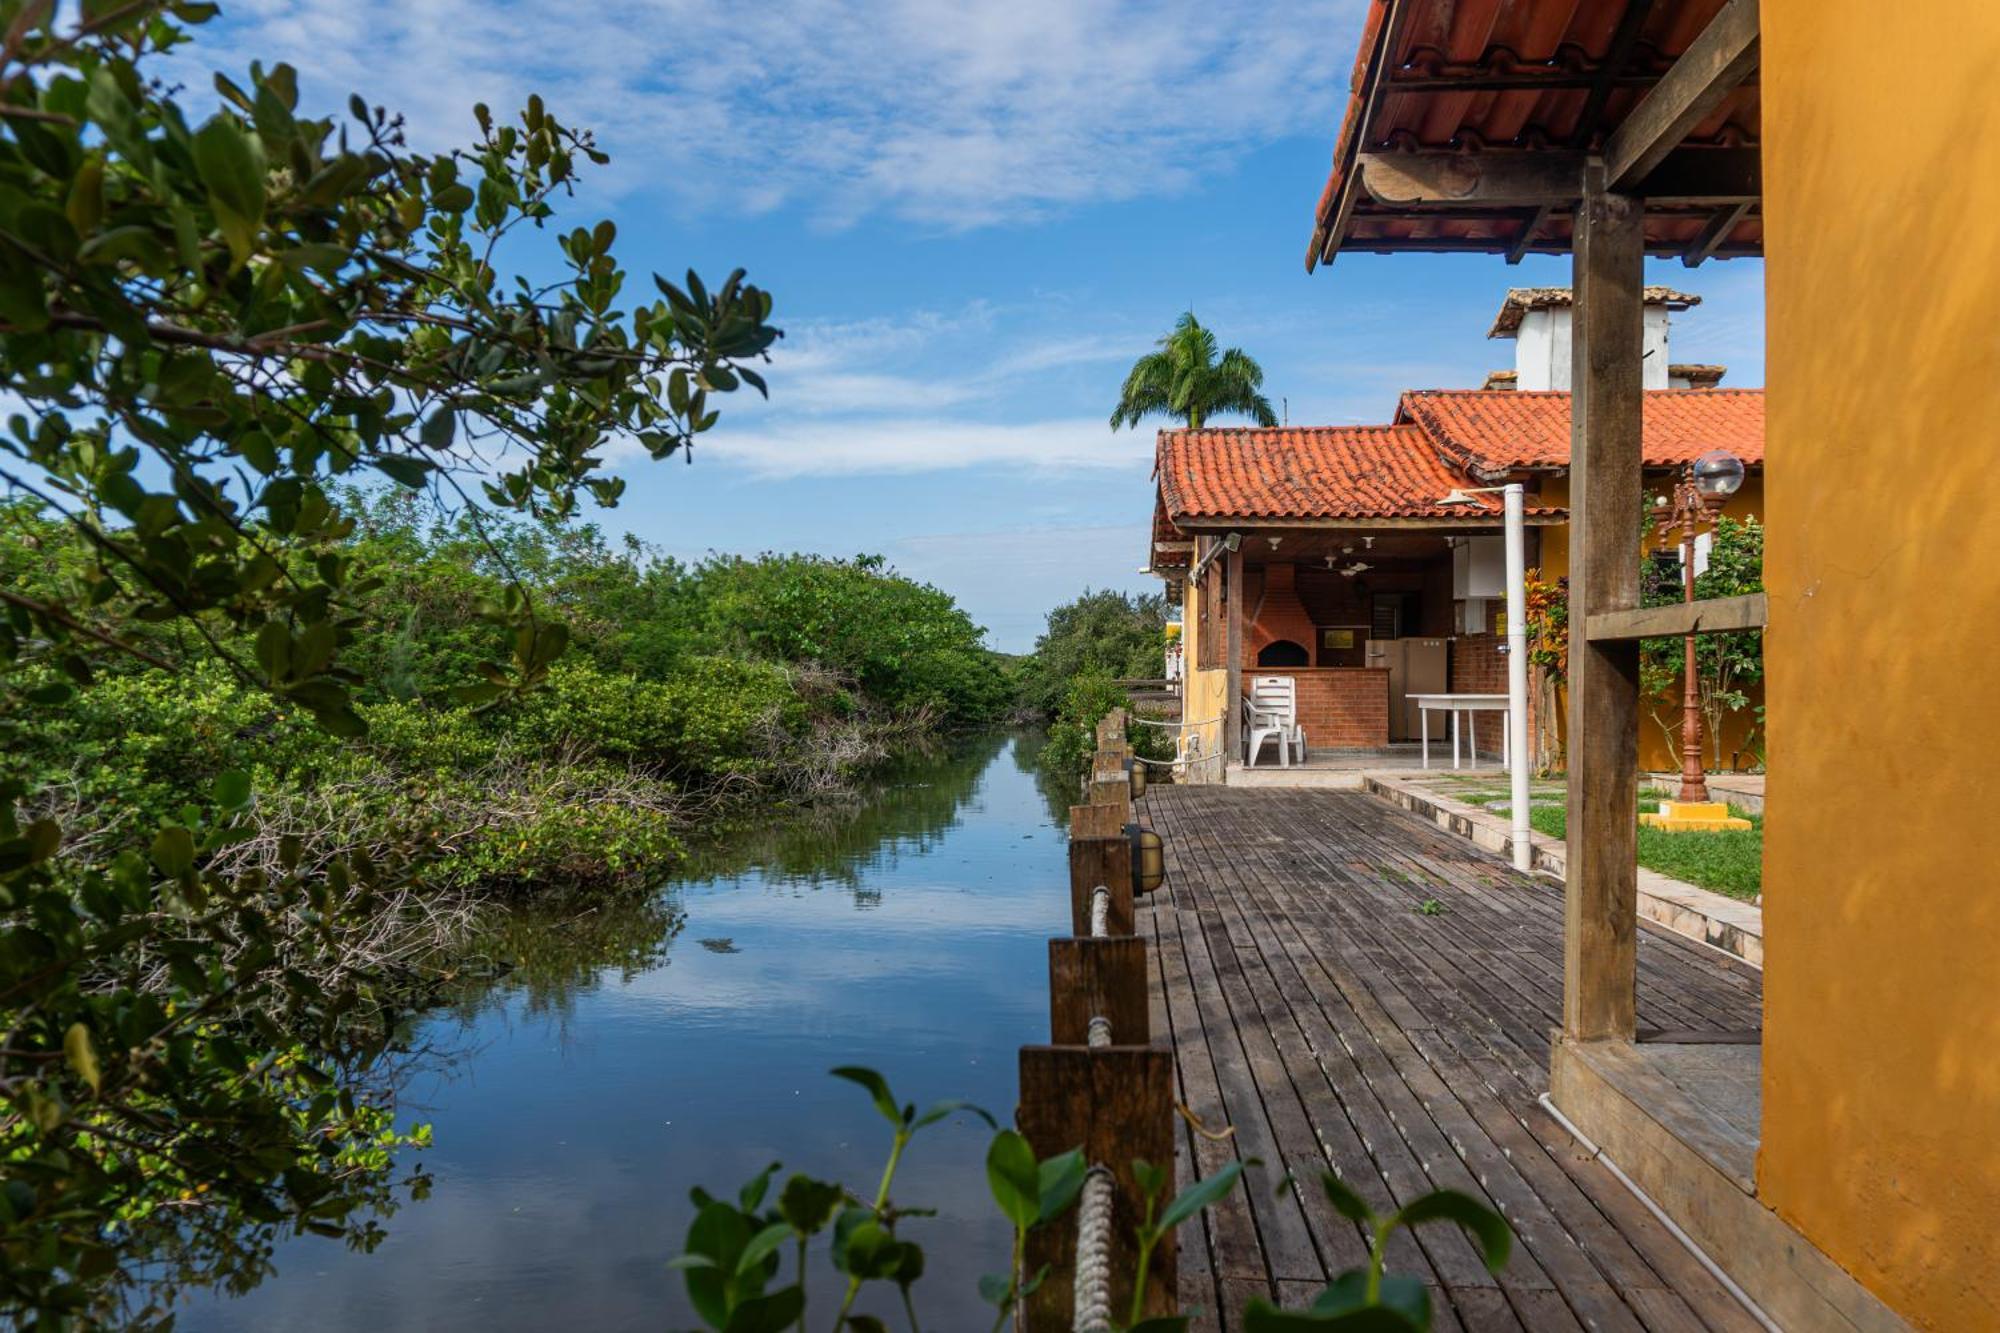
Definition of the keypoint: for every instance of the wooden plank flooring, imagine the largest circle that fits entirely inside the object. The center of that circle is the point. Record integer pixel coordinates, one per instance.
(1321, 1020)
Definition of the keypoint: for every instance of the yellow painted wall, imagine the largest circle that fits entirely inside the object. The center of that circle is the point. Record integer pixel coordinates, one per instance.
(1202, 692)
(1881, 1137)
(1658, 751)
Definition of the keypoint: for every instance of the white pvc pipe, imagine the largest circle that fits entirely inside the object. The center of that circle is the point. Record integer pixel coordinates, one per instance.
(1729, 1284)
(1519, 748)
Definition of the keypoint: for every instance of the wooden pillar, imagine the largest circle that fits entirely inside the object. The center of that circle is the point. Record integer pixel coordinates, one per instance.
(1232, 704)
(1600, 900)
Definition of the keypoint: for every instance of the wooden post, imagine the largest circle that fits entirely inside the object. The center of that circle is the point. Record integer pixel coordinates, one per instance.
(1232, 703)
(1111, 791)
(1098, 978)
(1116, 1103)
(1095, 861)
(1097, 821)
(1600, 900)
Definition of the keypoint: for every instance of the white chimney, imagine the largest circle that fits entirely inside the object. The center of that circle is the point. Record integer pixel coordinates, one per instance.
(1538, 320)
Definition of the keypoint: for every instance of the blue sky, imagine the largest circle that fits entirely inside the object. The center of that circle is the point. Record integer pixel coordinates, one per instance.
(974, 215)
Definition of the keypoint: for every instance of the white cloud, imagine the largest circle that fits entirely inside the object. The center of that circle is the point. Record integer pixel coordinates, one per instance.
(950, 114)
(928, 444)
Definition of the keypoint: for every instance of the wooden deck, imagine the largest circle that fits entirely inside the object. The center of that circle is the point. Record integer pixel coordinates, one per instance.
(1318, 1013)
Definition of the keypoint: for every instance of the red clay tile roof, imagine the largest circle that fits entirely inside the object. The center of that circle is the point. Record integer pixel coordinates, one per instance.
(1497, 430)
(1317, 472)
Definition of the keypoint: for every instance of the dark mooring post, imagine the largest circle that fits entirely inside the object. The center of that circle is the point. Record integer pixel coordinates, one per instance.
(1097, 821)
(1098, 978)
(1601, 897)
(1095, 861)
(1116, 1103)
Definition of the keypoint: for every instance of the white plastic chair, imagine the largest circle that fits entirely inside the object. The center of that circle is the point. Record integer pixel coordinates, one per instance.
(1271, 712)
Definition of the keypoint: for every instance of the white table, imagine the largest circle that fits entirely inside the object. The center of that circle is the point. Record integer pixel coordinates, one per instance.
(1457, 705)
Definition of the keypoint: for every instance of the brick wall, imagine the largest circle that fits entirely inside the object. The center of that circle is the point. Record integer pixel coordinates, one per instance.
(1341, 708)
(1479, 667)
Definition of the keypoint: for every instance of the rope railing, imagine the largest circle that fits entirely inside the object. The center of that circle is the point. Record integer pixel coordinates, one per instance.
(1093, 1253)
(1101, 1083)
(1093, 1214)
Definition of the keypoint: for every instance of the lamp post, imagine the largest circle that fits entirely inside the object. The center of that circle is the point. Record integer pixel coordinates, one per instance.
(1703, 489)
(1514, 506)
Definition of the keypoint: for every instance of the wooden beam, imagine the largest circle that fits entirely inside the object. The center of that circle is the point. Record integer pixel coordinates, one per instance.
(1714, 615)
(1705, 176)
(1719, 229)
(1708, 71)
(1526, 178)
(1528, 230)
(1601, 895)
(1551, 178)
(1232, 703)
(1619, 54)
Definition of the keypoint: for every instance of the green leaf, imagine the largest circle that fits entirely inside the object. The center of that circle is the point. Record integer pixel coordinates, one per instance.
(808, 1204)
(1260, 1316)
(173, 850)
(1166, 1323)
(751, 1197)
(1345, 1201)
(81, 1053)
(231, 164)
(232, 789)
(1407, 1296)
(761, 1246)
(1496, 1238)
(440, 427)
(939, 1110)
(718, 1233)
(1060, 1179)
(878, 1090)
(405, 470)
(1014, 1178)
(767, 1314)
(1200, 1195)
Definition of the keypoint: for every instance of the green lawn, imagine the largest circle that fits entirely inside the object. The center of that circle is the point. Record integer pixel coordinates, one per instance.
(1730, 861)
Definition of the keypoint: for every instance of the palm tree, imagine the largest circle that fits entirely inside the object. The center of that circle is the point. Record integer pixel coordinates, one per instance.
(1185, 379)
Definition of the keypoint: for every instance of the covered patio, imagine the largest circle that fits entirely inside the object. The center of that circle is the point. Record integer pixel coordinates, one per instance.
(1348, 561)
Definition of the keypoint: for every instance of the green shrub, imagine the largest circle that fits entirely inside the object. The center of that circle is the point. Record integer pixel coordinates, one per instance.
(713, 717)
(1104, 633)
(1073, 735)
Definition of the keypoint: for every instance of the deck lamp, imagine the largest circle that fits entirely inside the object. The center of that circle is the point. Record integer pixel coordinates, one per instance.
(1135, 774)
(1149, 858)
(1514, 497)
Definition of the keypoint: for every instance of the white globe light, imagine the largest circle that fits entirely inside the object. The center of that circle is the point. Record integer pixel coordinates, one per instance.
(1717, 474)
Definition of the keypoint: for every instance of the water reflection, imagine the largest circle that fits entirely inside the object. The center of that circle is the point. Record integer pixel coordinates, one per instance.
(632, 1051)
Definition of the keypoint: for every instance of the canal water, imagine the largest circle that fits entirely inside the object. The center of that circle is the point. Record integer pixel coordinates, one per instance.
(631, 1055)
